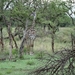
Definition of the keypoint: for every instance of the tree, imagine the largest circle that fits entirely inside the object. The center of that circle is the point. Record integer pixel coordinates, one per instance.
(28, 16)
(1, 24)
(55, 13)
(5, 16)
(59, 63)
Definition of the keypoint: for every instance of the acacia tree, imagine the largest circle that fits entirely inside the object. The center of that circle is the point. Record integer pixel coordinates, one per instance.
(5, 20)
(55, 13)
(56, 65)
(1, 23)
(24, 12)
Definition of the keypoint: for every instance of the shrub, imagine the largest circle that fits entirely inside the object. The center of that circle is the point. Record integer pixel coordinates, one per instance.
(1, 74)
(39, 55)
(9, 71)
(14, 51)
(25, 50)
(22, 57)
(30, 62)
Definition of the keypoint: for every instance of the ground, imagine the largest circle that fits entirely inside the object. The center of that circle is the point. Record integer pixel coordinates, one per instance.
(20, 67)
(41, 44)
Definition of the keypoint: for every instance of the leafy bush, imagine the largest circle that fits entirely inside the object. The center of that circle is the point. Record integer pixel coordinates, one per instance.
(9, 71)
(1, 74)
(39, 55)
(22, 57)
(25, 50)
(30, 62)
(14, 51)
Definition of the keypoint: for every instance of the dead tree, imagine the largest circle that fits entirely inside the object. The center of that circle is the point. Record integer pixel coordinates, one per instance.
(61, 63)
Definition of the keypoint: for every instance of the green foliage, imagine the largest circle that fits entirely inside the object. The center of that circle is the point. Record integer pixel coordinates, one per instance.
(30, 62)
(55, 12)
(9, 71)
(20, 10)
(20, 67)
(14, 51)
(39, 55)
(25, 50)
(22, 57)
(1, 74)
(65, 21)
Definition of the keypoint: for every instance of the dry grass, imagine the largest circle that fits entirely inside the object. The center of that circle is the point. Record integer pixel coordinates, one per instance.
(62, 40)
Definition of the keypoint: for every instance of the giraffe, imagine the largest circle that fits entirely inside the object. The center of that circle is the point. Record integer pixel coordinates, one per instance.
(31, 35)
(29, 40)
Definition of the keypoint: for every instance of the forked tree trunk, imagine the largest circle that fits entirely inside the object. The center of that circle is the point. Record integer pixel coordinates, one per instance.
(8, 25)
(23, 41)
(14, 41)
(22, 46)
(10, 41)
(11, 37)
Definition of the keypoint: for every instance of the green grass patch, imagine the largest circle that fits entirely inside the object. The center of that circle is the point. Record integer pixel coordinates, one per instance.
(20, 67)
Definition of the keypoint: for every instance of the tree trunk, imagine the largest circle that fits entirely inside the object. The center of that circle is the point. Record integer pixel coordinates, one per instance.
(23, 41)
(10, 41)
(2, 38)
(8, 25)
(72, 40)
(31, 47)
(52, 42)
(21, 47)
(14, 41)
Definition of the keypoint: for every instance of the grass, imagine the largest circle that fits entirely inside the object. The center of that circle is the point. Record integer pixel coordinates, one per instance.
(22, 67)
(44, 43)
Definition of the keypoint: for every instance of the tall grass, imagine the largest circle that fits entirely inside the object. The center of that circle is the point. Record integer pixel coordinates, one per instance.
(62, 39)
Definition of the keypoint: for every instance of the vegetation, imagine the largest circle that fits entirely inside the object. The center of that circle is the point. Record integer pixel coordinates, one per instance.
(61, 63)
(34, 33)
